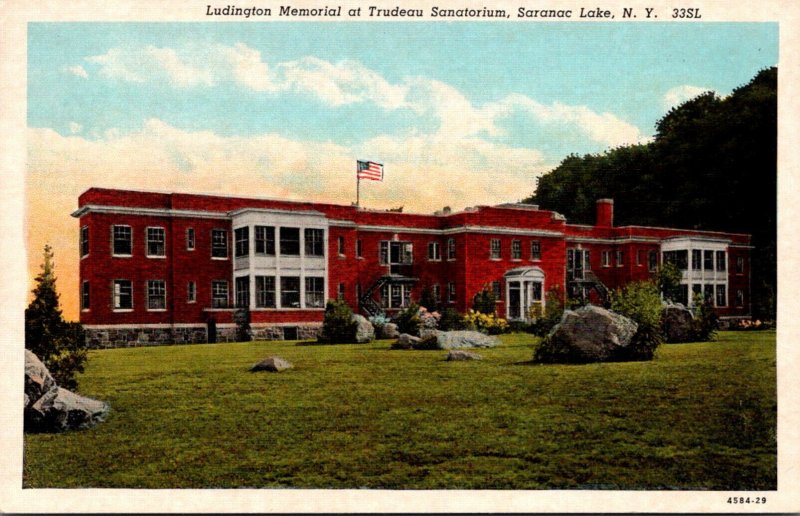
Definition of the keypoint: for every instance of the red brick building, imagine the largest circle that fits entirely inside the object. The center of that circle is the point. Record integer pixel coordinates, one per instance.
(171, 267)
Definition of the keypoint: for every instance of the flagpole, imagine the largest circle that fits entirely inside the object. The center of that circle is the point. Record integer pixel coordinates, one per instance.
(358, 190)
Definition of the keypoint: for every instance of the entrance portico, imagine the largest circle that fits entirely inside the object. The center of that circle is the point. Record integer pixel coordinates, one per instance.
(524, 289)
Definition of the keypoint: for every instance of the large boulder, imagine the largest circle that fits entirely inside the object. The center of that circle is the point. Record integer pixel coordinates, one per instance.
(365, 332)
(272, 364)
(459, 355)
(390, 331)
(50, 408)
(60, 410)
(678, 323)
(457, 340)
(588, 334)
(38, 380)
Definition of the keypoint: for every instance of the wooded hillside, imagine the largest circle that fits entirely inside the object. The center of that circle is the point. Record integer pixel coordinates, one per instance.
(711, 166)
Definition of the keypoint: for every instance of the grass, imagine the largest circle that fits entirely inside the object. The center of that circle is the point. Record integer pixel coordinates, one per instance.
(700, 416)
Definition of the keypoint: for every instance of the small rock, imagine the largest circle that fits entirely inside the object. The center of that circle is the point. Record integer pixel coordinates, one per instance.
(272, 364)
(405, 341)
(457, 340)
(458, 355)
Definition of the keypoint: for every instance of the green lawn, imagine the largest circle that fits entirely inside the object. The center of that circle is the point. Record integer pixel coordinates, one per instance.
(700, 416)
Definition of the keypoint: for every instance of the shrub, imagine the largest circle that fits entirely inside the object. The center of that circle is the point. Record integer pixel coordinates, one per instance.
(485, 323)
(416, 318)
(641, 302)
(553, 310)
(242, 319)
(427, 299)
(378, 321)
(451, 320)
(485, 302)
(338, 325)
(60, 345)
(706, 321)
(408, 320)
(668, 280)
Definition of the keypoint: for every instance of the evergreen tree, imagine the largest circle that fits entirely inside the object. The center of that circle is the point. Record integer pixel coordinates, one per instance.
(59, 344)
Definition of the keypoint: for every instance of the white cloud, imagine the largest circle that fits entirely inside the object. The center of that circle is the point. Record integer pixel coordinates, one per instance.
(680, 94)
(75, 127)
(78, 71)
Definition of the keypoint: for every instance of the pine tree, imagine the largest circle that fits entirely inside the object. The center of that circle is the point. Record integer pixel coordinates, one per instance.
(59, 344)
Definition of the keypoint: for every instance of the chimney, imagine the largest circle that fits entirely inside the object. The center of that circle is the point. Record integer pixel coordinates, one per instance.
(605, 213)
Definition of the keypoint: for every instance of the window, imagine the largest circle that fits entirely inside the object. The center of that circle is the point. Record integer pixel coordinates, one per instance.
(436, 292)
(498, 293)
(395, 296)
(290, 242)
(721, 265)
(85, 304)
(340, 292)
(516, 250)
(190, 239)
(265, 292)
(315, 292)
(156, 295)
(219, 294)
(241, 238)
(652, 260)
(358, 248)
(433, 252)
(396, 253)
(740, 265)
(577, 262)
(123, 240)
(155, 242)
(123, 295)
(708, 260)
(290, 292)
(722, 297)
(697, 259)
(315, 244)
(697, 290)
(219, 243)
(536, 250)
(243, 292)
(605, 258)
(340, 245)
(678, 258)
(620, 258)
(451, 292)
(708, 291)
(451, 248)
(739, 297)
(84, 244)
(494, 249)
(191, 292)
(265, 240)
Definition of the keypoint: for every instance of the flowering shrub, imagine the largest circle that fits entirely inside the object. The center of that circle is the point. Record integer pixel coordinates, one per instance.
(485, 323)
(378, 321)
(747, 324)
(416, 318)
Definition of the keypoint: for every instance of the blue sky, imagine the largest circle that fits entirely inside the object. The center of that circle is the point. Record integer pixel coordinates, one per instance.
(621, 69)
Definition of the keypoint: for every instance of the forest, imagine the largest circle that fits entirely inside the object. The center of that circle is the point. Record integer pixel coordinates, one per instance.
(712, 165)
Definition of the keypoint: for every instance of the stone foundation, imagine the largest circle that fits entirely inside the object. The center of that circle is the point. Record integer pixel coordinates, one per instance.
(108, 338)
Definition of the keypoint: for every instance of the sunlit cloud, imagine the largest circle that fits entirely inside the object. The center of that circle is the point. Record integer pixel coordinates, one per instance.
(78, 71)
(680, 94)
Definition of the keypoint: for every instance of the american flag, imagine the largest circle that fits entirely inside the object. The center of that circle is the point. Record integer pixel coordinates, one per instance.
(369, 170)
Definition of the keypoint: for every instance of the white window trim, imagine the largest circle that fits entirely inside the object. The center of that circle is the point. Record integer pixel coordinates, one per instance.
(605, 258)
(193, 299)
(438, 251)
(147, 243)
(619, 257)
(194, 239)
(499, 249)
(85, 282)
(113, 297)
(227, 245)
(113, 254)
(147, 297)
(447, 250)
(89, 247)
(519, 258)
